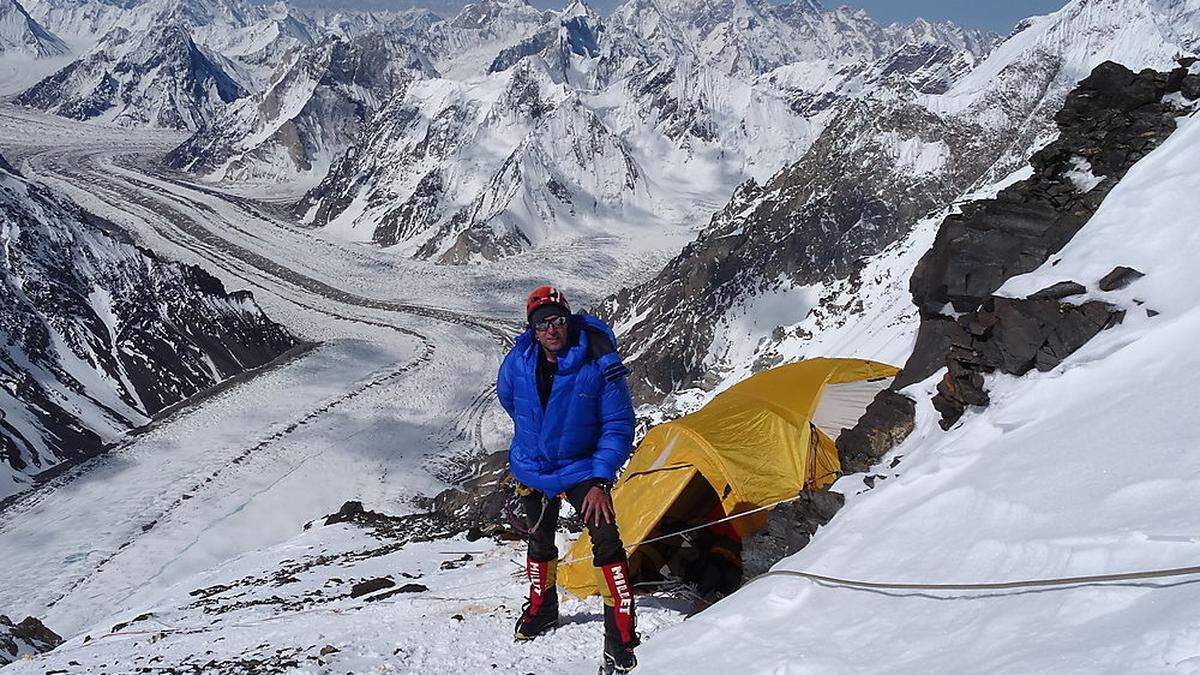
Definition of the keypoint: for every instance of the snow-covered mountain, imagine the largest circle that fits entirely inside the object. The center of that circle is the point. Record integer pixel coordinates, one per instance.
(100, 335)
(157, 78)
(1043, 484)
(788, 259)
(578, 47)
(747, 37)
(253, 38)
(464, 46)
(22, 34)
(314, 107)
(86, 21)
(688, 123)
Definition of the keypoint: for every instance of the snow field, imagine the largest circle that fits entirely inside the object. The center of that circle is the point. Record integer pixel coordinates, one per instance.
(462, 623)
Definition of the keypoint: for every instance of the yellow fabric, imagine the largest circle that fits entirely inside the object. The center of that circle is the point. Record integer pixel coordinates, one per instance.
(751, 444)
(648, 496)
(598, 581)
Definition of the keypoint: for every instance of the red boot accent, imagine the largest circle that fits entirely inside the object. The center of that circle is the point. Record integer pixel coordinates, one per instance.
(616, 577)
(541, 579)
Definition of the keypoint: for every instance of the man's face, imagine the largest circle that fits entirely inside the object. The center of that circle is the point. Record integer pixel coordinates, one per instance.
(551, 336)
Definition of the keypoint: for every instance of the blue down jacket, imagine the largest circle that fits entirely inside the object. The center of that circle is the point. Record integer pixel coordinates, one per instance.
(586, 430)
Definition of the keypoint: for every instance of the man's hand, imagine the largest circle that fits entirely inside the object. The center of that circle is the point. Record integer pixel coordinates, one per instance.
(598, 507)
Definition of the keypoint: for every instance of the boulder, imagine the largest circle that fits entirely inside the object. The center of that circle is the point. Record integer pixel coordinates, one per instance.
(789, 528)
(1063, 289)
(1119, 278)
(1014, 336)
(370, 586)
(887, 421)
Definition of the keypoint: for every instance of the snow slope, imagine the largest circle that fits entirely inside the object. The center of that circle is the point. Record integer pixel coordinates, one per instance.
(157, 78)
(22, 34)
(1086, 469)
(99, 336)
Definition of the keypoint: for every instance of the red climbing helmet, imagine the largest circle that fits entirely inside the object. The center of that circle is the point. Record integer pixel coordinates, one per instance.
(545, 295)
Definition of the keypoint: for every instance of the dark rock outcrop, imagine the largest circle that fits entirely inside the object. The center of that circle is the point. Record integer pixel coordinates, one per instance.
(1119, 278)
(789, 528)
(27, 638)
(1112, 119)
(1013, 336)
(887, 421)
(476, 505)
(370, 586)
(1063, 289)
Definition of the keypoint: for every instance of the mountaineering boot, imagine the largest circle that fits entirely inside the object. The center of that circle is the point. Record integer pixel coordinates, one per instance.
(619, 620)
(540, 612)
(618, 653)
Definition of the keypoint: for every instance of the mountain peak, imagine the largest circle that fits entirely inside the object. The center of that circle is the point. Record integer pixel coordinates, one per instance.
(481, 14)
(577, 8)
(20, 33)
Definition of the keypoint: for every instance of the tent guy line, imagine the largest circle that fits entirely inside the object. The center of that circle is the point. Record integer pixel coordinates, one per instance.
(693, 528)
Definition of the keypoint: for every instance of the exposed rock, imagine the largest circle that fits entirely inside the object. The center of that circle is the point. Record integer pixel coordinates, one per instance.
(348, 511)
(476, 504)
(887, 421)
(27, 638)
(1119, 278)
(1063, 289)
(1013, 336)
(1190, 87)
(406, 588)
(370, 586)
(1113, 118)
(789, 528)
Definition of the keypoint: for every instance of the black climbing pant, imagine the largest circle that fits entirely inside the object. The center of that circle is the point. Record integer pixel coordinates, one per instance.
(542, 512)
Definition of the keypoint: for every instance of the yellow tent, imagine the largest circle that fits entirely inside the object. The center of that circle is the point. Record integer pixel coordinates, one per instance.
(762, 440)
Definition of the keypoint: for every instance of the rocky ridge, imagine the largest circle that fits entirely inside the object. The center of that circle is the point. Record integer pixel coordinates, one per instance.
(20, 33)
(159, 78)
(100, 335)
(25, 639)
(1110, 121)
(315, 106)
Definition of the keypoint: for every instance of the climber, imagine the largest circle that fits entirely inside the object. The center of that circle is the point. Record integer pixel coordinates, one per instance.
(564, 386)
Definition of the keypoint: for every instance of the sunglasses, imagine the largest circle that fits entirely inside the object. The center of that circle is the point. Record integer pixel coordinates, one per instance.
(546, 324)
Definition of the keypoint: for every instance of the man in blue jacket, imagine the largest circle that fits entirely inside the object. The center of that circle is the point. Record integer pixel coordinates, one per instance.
(564, 386)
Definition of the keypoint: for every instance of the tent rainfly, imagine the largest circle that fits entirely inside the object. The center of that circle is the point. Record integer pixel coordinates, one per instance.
(761, 441)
